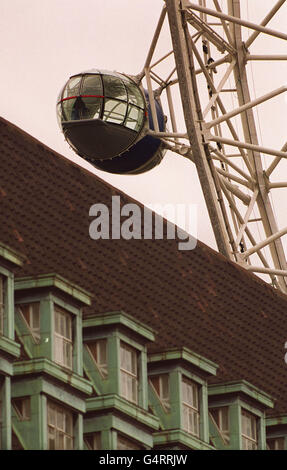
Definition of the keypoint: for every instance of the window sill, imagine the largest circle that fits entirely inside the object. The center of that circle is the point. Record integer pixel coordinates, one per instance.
(45, 366)
(9, 346)
(115, 402)
(178, 436)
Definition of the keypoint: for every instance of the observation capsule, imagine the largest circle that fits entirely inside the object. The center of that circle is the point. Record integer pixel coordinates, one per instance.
(104, 117)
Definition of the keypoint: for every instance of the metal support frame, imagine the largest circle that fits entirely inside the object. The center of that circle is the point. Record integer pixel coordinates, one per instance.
(208, 67)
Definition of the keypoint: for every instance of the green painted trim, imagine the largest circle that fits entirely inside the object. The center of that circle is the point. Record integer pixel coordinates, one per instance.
(110, 422)
(178, 436)
(6, 434)
(57, 301)
(9, 346)
(235, 426)
(122, 318)
(203, 407)
(54, 280)
(187, 355)
(19, 436)
(6, 366)
(120, 404)
(242, 387)
(98, 423)
(11, 255)
(44, 365)
(132, 431)
(276, 420)
(45, 386)
(67, 398)
(43, 421)
(252, 409)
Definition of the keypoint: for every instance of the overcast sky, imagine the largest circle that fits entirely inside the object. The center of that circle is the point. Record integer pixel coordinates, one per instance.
(43, 42)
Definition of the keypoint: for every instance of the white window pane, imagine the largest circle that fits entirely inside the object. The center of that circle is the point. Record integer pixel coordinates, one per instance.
(35, 320)
(196, 424)
(69, 443)
(224, 419)
(190, 406)
(129, 387)
(122, 357)
(60, 441)
(129, 379)
(164, 386)
(60, 427)
(67, 354)
(102, 351)
(63, 349)
(58, 350)
(249, 430)
(60, 420)
(134, 363)
(51, 416)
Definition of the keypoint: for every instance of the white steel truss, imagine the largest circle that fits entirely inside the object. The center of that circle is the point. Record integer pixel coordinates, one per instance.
(204, 66)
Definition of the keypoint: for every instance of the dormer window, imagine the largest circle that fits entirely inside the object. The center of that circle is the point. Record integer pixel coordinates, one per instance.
(160, 384)
(249, 431)
(98, 351)
(126, 444)
(31, 314)
(190, 406)
(63, 345)
(129, 372)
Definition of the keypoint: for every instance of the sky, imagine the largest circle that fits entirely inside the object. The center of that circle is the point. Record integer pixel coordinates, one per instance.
(43, 42)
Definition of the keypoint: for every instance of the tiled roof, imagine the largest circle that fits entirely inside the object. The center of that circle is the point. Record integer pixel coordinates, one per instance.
(196, 299)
